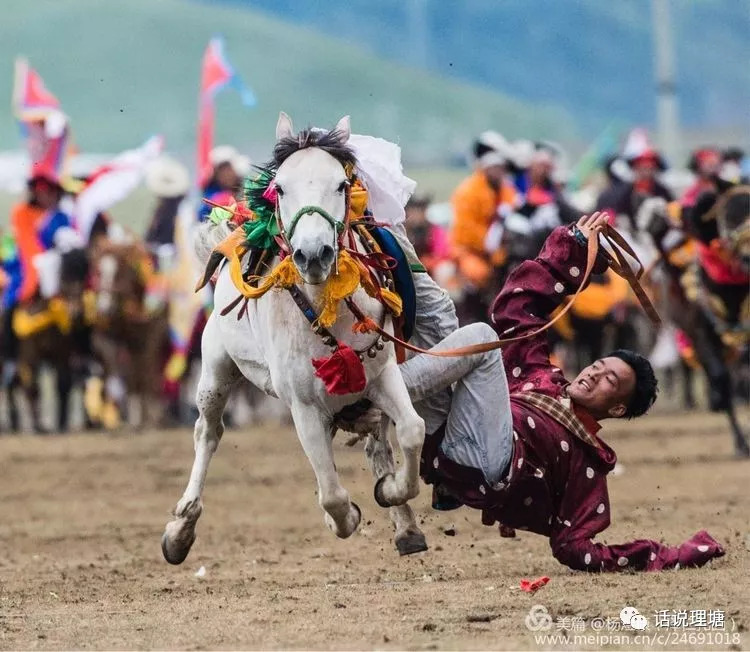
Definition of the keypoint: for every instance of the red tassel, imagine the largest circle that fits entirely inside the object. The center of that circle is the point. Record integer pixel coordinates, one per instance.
(342, 372)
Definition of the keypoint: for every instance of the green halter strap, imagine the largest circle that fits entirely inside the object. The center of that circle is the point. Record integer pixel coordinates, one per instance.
(338, 227)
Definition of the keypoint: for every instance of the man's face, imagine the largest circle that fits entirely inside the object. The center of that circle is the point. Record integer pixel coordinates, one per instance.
(226, 177)
(604, 388)
(45, 194)
(495, 174)
(645, 169)
(709, 164)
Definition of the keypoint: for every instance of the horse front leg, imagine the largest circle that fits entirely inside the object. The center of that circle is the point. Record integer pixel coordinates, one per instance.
(408, 538)
(218, 375)
(342, 516)
(390, 395)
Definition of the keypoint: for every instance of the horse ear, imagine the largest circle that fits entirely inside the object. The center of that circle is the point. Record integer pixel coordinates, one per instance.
(344, 128)
(284, 128)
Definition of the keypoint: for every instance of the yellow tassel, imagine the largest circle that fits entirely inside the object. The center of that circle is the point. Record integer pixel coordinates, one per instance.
(283, 275)
(393, 301)
(350, 275)
(338, 286)
(357, 201)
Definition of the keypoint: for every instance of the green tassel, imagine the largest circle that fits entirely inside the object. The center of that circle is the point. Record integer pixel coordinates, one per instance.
(261, 231)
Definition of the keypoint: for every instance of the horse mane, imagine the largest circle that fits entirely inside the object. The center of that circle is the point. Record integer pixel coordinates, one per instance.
(332, 142)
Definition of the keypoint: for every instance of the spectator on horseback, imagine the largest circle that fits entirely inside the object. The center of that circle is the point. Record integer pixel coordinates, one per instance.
(430, 240)
(731, 170)
(705, 164)
(481, 203)
(225, 184)
(510, 436)
(169, 181)
(34, 224)
(542, 206)
(645, 164)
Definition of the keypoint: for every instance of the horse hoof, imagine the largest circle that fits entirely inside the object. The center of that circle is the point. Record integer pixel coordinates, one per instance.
(411, 543)
(742, 452)
(359, 513)
(175, 556)
(378, 491)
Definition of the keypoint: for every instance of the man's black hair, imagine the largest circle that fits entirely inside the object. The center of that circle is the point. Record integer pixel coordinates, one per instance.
(646, 385)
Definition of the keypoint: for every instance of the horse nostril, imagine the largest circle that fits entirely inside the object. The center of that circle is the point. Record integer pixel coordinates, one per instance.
(326, 255)
(299, 259)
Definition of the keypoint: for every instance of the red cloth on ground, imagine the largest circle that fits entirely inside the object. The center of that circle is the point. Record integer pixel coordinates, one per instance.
(532, 586)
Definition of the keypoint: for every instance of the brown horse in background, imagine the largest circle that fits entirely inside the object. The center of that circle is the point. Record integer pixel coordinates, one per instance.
(130, 333)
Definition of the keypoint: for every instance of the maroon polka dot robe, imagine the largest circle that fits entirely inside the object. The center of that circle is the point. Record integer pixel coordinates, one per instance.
(557, 484)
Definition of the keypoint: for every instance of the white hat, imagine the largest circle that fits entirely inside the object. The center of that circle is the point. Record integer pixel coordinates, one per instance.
(500, 150)
(167, 177)
(227, 154)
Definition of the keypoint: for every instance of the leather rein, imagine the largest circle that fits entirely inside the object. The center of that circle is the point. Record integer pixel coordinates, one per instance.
(617, 261)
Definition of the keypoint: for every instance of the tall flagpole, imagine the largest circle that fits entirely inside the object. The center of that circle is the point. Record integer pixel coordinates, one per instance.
(664, 68)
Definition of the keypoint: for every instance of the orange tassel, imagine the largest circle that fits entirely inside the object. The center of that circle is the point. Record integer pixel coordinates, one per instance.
(363, 326)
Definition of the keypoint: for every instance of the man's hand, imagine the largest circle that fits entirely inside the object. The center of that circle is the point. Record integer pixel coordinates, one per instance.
(594, 222)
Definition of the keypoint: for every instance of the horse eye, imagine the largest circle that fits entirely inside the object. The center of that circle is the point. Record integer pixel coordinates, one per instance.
(279, 191)
(342, 186)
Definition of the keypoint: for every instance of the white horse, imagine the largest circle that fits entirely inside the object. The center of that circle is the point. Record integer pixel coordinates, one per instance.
(273, 344)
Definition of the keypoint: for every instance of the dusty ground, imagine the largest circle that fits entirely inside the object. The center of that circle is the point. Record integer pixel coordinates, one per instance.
(80, 563)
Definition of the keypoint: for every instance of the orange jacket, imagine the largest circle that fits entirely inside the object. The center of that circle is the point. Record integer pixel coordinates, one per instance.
(599, 299)
(24, 221)
(475, 203)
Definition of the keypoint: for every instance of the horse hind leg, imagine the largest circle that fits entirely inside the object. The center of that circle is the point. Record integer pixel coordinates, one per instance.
(409, 539)
(218, 375)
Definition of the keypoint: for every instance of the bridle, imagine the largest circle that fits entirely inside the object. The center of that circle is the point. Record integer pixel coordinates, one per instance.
(340, 227)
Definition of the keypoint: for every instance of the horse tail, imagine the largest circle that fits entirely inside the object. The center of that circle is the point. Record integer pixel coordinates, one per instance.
(207, 236)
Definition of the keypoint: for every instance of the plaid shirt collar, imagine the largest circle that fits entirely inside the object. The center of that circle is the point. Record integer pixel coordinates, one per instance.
(560, 412)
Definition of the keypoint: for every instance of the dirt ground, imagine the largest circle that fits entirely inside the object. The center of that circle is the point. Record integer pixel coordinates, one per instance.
(80, 564)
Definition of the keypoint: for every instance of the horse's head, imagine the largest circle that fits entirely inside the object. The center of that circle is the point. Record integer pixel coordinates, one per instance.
(120, 279)
(313, 170)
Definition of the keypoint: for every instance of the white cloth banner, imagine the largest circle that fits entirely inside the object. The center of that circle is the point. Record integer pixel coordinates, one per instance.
(380, 170)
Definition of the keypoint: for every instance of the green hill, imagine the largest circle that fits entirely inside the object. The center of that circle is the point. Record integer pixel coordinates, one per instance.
(126, 69)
